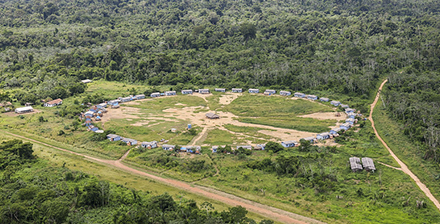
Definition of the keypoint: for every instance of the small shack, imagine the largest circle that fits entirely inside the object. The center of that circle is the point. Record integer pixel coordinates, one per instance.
(324, 99)
(170, 93)
(101, 105)
(168, 147)
(260, 147)
(350, 121)
(345, 126)
(351, 115)
(113, 137)
(53, 103)
(310, 139)
(139, 97)
(204, 91)
(129, 141)
(191, 149)
(350, 110)
(214, 149)
(344, 105)
(212, 116)
(355, 164)
(86, 81)
(149, 145)
(322, 136)
(312, 97)
(288, 144)
(111, 102)
(237, 90)
(254, 90)
(245, 147)
(220, 90)
(335, 131)
(300, 95)
(155, 95)
(125, 99)
(285, 93)
(115, 106)
(23, 110)
(269, 92)
(335, 103)
(368, 164)
(187, 91)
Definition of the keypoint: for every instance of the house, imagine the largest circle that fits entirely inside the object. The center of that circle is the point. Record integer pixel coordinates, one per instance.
(97, 118)
(139, 97)
(219, 90)
(254, 90)
(344, 105)
(350, 121)
(335, 103)
(86, 81)
(310, 139)
(368, 164)
(170, 93)
(187, 91)
(350, 110)
(288, 144)
(260, 147)
(53, 103)
(269, 92)
(149, 145)
(345, 126)
(312, 97)
(112, 102)
(355, 164)
(335, 131)
(351, 115)
(22, 110)
(204, 91)
(168, 147)
(129, 141)
(245, 147)
(323, 136)
(285, 93)
(324, 99)
(212, 116)
(101, 105)
(113, 137)
(125, 99)
(191, 149)
(115, 106)
(299, 95)
(94, 129)
(237, 90)
(155, 95)
(214, 149)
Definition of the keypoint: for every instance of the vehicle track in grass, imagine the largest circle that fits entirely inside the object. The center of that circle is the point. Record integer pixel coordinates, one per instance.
(403, 166)
(229, 199)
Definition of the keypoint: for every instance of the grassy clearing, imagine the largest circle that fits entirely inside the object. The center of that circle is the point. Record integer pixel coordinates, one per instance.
(159, 104)
(58, 158)
(291, 122)
(220, 137)
(391, 132)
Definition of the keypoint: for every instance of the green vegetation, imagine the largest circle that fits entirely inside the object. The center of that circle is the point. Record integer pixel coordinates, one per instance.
(220, 137)
(156, 106)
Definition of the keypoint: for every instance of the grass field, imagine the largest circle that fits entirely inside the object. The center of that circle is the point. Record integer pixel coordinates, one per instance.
(156, 106)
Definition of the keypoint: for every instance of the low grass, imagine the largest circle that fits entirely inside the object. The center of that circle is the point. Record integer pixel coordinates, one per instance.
(250, 131)
(291, 122)
(220, 137)
(157, 105)
(392, 133)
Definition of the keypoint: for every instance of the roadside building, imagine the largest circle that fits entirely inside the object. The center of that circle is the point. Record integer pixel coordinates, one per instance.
(254, 90)
(129, 141)
(23, 110)
(335, 131)
(245, 147)
(125, 99)
(260, 147)
(288, 144)
(344, 105)
(113, 137)
(285, 93)
(345, 126)
(155, 95)
(168, 147)
(149, 145)
(269, 92)
(170, 93)
(335, 103)
(204, 91)
(310, 139)
(187, 91)
(220, 90)
(350, 110)
(299, 95)
(355, 164)
(368, 164)
(139, 97)
(324, 99)
(322, 136)
(237, 90)
(53, 103)
(312, 97)
(86, 81)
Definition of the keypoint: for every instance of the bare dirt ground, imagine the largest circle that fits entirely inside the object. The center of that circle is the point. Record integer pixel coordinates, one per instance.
(121, 113)
(13, 114)
(403, 166)
(229, 199)
(326, 116)
(228, 98)
(203, 96)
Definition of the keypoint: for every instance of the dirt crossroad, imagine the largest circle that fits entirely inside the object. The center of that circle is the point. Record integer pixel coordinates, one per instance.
(403, 166)
(229, 199)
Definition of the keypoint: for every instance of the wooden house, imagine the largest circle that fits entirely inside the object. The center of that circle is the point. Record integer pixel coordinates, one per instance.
(260, 147)
(204, 91)
(350, 110)
(285, 93)
(355, 164)
(254, 90)
(310, 139)
(113, 137)
(139, 97)
(368, 164)
(219, 90)
(125, 99)
(23, 110)
(351, 115)
(335, 131)
(212, 116)
(269, 92)
(345, 126)
(344, 105)
(129, 141)
(245, 147)
(111, 102)
(335, 103)
(187, 91)
(149, 145)
(299, 95)
(312, 97)
(170, 93)
(155, 95)
(324, 99)
(237, 90)
(322, 136)
(53, 103)
(350, 121)
(168, 147)
(288, 144)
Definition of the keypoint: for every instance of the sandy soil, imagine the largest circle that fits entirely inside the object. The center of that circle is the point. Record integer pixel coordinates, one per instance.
(13, 114)
(229, 199)
(326, 116)
(403, 166)
(121, 113)
(228, 98)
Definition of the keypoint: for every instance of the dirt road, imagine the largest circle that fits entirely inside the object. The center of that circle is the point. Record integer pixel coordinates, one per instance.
(402, 165)
(229, 199)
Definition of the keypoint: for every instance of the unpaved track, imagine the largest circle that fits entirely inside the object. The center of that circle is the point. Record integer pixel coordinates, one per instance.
(402, 165)
(229, 199)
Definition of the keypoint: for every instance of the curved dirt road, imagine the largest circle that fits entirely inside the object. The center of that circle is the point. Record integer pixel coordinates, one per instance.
(229, 199)
(403, 166)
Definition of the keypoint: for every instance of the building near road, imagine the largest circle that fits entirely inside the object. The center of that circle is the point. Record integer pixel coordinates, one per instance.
(237, 90)
(212, 116)
(113, 137)
(288, 144)
(285, 93)
(86, 81)
(170, 93)
(245, 147)
(299, 95)
(155, 95)
(310, 139)
(322, 136)
(335, 103)
(149, 145)
(368, 164)
(168, 147)
(187, 91)
(204, 91)
(139, 97)
(220, 90)
(324, 99)
(335, 131)
(312, 97)
(125, 99)
(260, 147)
(269, 92)
(344, 105)
(254, 90)
(23, 110)
(53, 103)
(129, 141)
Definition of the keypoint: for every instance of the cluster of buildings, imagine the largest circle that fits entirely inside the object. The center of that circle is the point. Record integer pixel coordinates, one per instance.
(29, 109)
(367, 164)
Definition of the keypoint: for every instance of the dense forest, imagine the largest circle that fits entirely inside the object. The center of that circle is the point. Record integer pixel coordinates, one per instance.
(32, 191)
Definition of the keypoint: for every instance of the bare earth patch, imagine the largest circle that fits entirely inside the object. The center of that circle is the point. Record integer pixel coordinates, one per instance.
(228, 98)
(121, 113)
(326, 116)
